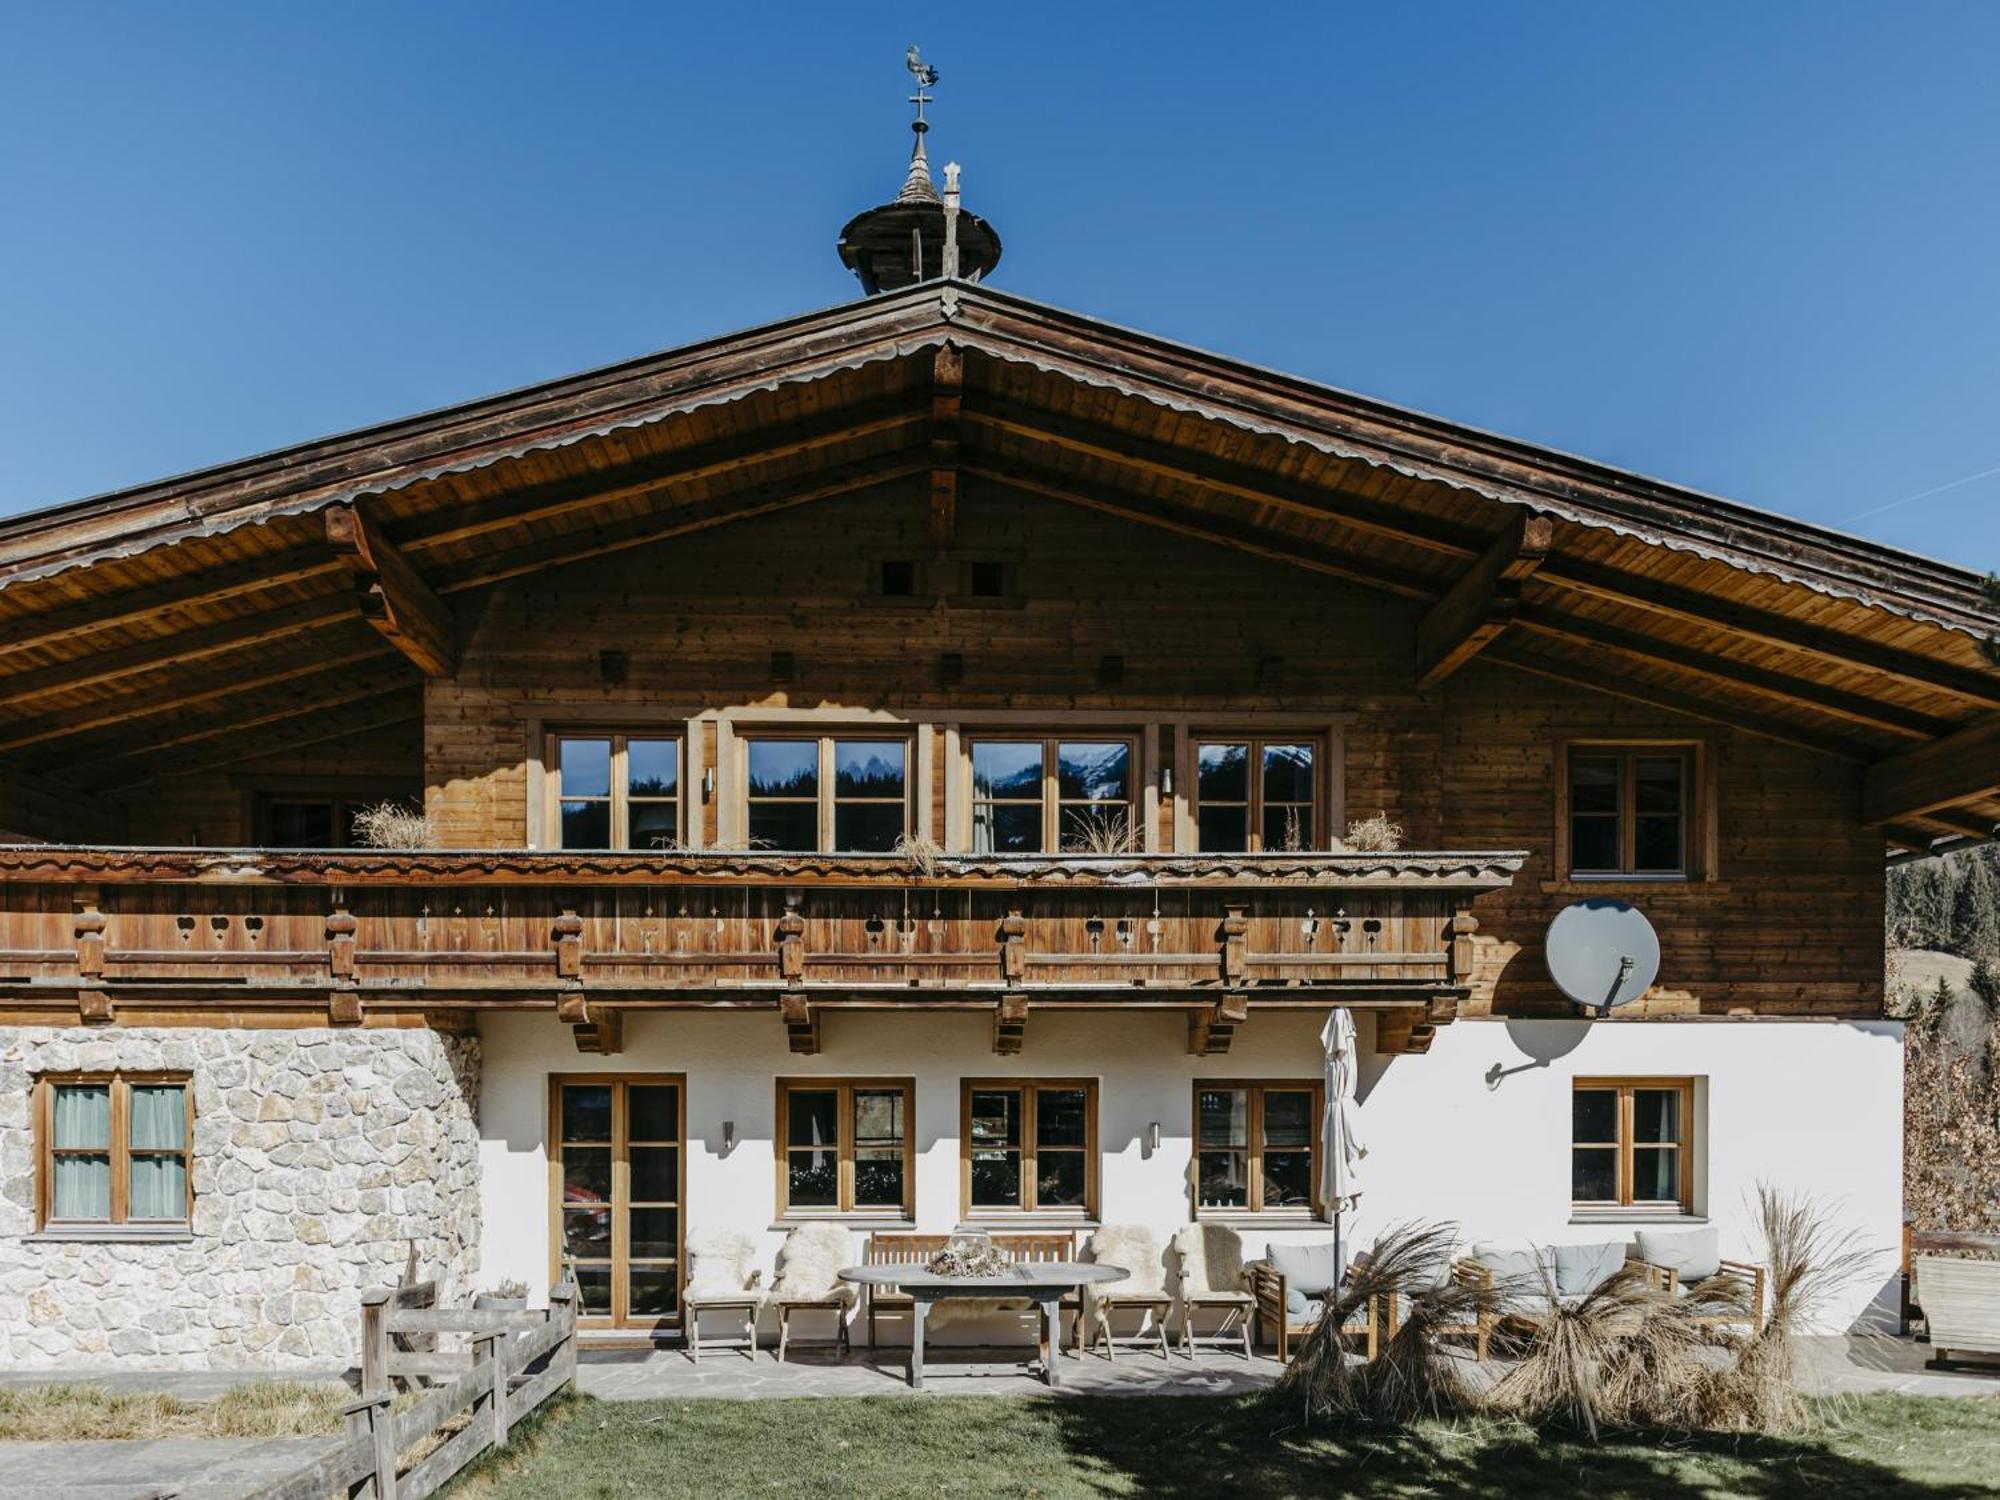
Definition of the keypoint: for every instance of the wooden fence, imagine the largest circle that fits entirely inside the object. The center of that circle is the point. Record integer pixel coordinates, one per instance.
(517, 1360)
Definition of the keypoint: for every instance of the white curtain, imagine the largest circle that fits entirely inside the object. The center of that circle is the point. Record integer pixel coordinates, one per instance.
(159, 1121)
(83, 1122)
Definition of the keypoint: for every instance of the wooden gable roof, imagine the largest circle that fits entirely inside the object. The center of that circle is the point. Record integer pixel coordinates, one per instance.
(182, 622)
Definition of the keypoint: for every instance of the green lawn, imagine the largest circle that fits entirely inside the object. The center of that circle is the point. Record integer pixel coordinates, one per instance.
(1882, 1447)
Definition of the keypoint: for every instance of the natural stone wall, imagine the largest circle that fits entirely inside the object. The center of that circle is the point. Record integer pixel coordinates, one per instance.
(318, 1156)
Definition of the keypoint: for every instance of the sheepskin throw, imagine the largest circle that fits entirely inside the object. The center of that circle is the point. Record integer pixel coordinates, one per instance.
(718, 1263)
(1133, 1247)
(1210, 1258)
(809, 1264)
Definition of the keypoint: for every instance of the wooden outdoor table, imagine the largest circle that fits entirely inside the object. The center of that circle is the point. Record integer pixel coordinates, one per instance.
(1042, 1283)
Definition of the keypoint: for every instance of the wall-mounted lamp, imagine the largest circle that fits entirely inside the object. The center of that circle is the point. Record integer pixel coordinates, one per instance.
(708, 783)
(1153, 1136)
(728, 1136)
(1166, 781)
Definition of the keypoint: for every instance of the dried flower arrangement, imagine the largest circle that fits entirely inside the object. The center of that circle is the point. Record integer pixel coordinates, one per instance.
(969, 1261)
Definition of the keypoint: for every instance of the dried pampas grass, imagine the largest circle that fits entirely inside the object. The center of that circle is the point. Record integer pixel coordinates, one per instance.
(394, 825)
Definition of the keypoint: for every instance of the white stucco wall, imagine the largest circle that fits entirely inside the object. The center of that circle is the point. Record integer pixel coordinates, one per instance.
(1815, 1107)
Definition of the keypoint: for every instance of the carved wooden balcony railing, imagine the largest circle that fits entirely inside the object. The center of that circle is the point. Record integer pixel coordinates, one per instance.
(101, 934)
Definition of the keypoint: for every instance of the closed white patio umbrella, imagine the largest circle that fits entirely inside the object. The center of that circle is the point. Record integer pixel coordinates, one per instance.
(1340, 1148)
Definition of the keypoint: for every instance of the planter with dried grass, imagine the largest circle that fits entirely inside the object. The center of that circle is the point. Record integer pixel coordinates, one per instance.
(1620, 1354)
(921, 852)
(1412, 1374)
(1809, 1262)
(394, 825)
(1097, 831)
(1376, 835)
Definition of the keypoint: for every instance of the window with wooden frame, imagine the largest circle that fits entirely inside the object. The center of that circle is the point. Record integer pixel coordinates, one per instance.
(1256, 1147)
(617, 1182)
(826, 793)
(615, 790)
(846, 1146)
(1072, 794)
(1631, 1140)
(1255, 794)
(1029, 1147)
(1629, 810)
(114, 1150)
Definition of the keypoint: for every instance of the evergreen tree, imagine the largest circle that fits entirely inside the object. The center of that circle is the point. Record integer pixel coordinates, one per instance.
(1975, 912)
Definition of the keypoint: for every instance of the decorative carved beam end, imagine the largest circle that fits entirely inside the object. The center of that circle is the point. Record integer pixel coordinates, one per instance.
(801, 1019)
(1010, 1025)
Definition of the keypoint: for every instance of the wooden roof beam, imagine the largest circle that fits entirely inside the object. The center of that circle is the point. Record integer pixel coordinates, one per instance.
(174, 650)
(1207, 528)
(401, 705)
(175, 698)
(394, 598)
(563, 497)
(681, 520)
(137, 606)
(1239, 481)
(1961, 767)
(1770, 628)
(1483, 602)
(1509, 653)
(1851, 707)
(947, 397)
(361, 691)
(1970, 825)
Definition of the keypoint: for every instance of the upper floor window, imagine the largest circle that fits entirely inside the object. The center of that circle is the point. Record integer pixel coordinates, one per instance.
(1030, 1146)
(114, 1149)
(1630, 1140)
(1629, 810)
(826, 793)
(616, 791)
(1255, 795)
(1047, 795)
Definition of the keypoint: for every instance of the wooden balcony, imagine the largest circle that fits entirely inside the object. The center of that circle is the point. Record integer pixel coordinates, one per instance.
(258, 936)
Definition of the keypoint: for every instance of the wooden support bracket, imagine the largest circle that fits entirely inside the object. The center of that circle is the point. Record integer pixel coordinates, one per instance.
(791, 943)
(801, 1019)
(1483, 602)
(93, 1002)
(1213, 1027)
(1013, 946)
(1010, 1025)
(1463, 951)
(343, 1002)
(1403, 1033)
(394, 598)
(567, 931)
(1235, 936)
(603, 1035)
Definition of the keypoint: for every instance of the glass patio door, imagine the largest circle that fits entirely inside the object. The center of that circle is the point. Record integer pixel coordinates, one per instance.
(616, 1172)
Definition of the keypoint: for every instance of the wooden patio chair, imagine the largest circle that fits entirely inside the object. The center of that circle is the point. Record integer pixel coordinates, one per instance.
(808, 1280)
(896, 1250)
(1132, 1247)
(1210, 1277)
(1272, 1311)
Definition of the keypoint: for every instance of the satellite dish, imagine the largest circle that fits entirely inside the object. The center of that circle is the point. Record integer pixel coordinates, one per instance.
(1602, 953)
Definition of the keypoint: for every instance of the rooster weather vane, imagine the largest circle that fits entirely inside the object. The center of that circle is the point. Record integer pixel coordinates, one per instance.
(926, 76)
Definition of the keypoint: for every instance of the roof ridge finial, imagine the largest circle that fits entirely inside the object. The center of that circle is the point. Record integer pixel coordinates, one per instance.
(917, 187)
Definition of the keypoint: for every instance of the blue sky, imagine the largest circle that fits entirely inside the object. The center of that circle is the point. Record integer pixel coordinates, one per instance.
(1748, 248)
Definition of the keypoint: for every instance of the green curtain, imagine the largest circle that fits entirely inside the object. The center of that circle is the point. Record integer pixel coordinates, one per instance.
(83, 1121)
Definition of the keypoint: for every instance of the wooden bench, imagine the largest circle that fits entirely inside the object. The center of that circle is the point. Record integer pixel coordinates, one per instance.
(900, 1249)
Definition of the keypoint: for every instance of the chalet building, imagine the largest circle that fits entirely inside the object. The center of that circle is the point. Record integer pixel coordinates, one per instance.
(896, 765)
